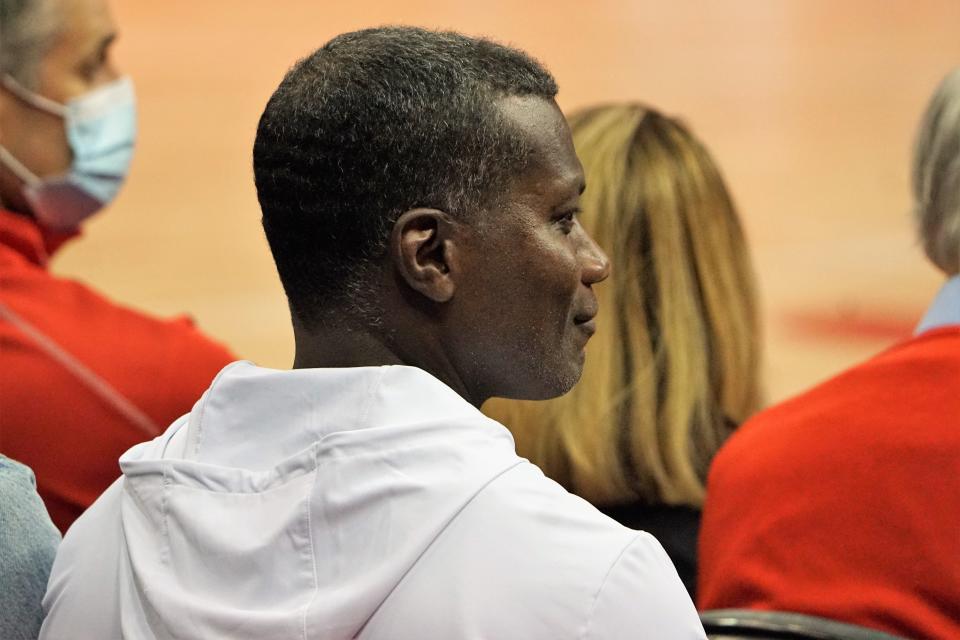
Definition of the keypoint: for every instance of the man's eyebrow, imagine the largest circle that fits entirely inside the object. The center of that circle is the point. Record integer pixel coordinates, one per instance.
(568, 197)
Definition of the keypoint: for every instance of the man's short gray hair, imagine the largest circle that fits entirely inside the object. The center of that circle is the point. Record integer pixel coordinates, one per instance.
(28, 28)
(936, 176)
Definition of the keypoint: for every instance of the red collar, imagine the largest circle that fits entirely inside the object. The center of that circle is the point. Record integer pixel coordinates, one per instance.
(26, 237)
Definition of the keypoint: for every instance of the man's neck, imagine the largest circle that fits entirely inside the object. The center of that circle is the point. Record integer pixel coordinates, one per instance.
(341, 346)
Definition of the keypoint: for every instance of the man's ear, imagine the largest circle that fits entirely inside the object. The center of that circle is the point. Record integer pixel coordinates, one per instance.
(423, 248)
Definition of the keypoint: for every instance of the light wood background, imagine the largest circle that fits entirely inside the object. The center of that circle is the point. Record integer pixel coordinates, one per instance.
(809, 105)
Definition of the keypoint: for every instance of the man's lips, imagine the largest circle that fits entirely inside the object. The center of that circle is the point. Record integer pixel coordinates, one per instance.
(585, 319)
(586, 323)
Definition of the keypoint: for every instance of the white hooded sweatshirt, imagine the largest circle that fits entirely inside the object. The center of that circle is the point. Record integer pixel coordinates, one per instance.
(369, 503)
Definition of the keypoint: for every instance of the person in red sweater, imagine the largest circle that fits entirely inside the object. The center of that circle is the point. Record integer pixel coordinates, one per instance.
(81, 379)
(844, 502)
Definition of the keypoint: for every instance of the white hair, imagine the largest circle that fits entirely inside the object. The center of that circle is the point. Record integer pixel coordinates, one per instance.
(936, 176)
(28, 28)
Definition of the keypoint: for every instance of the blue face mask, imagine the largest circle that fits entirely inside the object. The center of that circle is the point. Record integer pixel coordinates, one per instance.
(101, 129)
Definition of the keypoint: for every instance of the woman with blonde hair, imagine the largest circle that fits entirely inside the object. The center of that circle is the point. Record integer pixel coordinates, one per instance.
(673, 367)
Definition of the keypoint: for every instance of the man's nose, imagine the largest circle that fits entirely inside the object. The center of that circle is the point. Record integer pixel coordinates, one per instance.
(595, 263)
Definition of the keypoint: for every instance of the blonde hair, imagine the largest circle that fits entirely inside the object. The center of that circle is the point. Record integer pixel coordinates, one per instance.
(936, 176)
(673, 367)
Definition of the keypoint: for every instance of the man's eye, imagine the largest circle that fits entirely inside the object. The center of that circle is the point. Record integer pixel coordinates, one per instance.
(88, 69)
(568, 220)
(91, 67)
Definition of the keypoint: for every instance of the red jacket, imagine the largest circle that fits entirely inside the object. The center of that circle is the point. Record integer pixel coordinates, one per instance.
(844, 502)
(81, 378)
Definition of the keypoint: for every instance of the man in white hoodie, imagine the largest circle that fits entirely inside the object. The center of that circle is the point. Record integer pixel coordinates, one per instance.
(419, 193)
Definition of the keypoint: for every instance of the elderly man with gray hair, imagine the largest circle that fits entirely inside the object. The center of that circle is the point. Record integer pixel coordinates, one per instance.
(842, 502)
(81, 378)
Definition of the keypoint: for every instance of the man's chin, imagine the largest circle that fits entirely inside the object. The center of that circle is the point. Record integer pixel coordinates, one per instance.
(551, 383)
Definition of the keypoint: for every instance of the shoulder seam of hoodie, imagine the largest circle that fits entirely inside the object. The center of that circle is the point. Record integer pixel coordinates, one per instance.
(442, 530)
(596, 596)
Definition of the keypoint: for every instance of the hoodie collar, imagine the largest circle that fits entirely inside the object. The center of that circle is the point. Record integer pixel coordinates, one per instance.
(254, 418)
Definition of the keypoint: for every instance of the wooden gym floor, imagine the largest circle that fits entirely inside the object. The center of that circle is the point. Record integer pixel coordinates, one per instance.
(810, 107)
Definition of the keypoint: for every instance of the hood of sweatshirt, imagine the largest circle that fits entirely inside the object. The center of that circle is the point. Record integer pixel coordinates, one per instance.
(291, 503)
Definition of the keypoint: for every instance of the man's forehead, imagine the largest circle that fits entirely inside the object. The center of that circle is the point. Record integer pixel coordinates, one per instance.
(87, 21)
(555, 165)
(538, 118)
